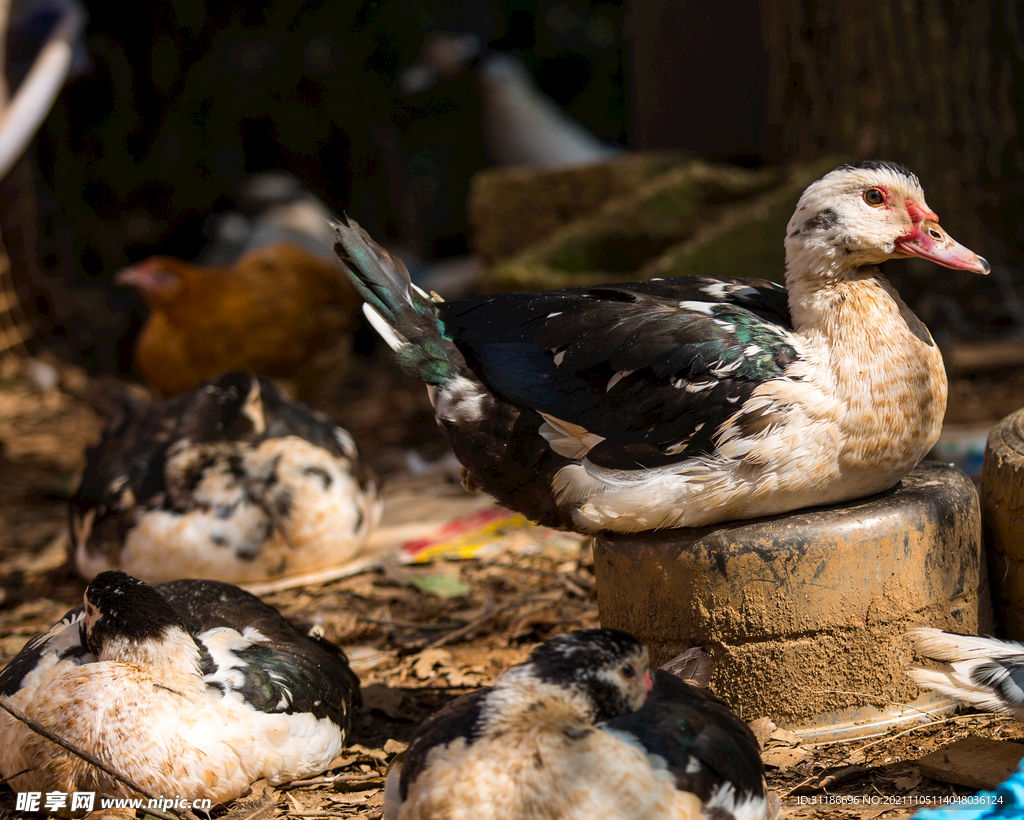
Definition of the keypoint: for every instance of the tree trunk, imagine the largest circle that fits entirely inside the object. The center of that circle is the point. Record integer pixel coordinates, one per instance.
(934, 84)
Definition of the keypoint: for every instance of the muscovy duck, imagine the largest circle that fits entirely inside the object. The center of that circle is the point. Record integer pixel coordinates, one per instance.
(581, 730)
(231, 481)
(192, 688)
(686, 402)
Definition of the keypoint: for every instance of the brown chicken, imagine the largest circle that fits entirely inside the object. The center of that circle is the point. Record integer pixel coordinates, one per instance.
(279, 310)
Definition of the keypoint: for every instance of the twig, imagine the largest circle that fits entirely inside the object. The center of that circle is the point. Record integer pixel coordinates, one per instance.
(573, 587)
(90, 758)
(328, 779)
(303, 812)
(11, 777)
(408, 624)
(490, 613)
(950, 719)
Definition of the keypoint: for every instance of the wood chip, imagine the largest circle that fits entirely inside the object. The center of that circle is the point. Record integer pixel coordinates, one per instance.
(975, 762)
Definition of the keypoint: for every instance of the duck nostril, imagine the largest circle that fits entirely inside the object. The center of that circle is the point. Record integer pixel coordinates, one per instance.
(935, 233)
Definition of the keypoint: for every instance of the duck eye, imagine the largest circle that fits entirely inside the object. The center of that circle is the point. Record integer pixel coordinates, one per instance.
(874, 197)
(628, 671)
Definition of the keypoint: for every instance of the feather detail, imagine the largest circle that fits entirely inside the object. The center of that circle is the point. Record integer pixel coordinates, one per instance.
(573, 733)
(568, 439)
(406, 317)
(193, 687)
(985, 672)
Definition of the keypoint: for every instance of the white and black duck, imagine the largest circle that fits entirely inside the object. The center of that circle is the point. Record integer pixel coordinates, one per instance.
(581, 731)
(192, 688)
(230, 481)
(685, 402)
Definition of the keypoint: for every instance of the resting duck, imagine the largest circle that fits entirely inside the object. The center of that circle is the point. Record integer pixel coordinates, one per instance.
(192, 688)
(580, 730)
(985, 672)
(230, 481)
(685, 402)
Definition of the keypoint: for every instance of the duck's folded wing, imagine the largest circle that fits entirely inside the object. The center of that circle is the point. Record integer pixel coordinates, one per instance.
(250, 648)
(61, 646)
(708, 749)
(641, 374)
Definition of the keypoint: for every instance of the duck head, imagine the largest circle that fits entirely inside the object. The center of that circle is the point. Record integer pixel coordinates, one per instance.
(865, 213)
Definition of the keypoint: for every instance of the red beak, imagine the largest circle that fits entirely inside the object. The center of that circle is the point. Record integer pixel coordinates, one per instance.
(928, 241)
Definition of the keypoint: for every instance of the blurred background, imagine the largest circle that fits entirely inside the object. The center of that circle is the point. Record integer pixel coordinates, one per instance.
(172, 103)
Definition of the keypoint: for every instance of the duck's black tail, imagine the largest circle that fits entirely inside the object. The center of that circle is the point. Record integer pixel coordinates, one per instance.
(400, 312)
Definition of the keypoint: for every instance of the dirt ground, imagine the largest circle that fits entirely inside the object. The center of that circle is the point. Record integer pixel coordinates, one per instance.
(415, 645)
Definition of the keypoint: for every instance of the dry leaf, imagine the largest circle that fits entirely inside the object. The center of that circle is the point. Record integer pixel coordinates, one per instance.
(694, 667)
(363, 752)
(908, 782)
(762, 728)
(782, 737)
(784, 758)
(393, 747)
(471, 676)
(423, 667)
(358, 797)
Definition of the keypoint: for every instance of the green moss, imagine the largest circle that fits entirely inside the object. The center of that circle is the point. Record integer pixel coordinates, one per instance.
(748, 240)
(694, 219)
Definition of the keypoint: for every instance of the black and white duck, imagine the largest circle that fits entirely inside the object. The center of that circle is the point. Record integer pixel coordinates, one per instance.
(232, 481)
(581, 730)
(685, 402)
(192, 688)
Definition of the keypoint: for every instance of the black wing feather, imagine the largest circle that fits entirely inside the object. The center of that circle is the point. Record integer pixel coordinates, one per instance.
(684, 724)
(72, 647)
(556, 352)
(307, 673)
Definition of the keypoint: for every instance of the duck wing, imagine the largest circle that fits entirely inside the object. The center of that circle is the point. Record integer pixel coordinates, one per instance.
(642, 373)
(708, 749)
(248, 647)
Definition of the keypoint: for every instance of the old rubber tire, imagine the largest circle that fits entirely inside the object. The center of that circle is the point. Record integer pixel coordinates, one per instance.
(804, 613)
(1002, 504)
